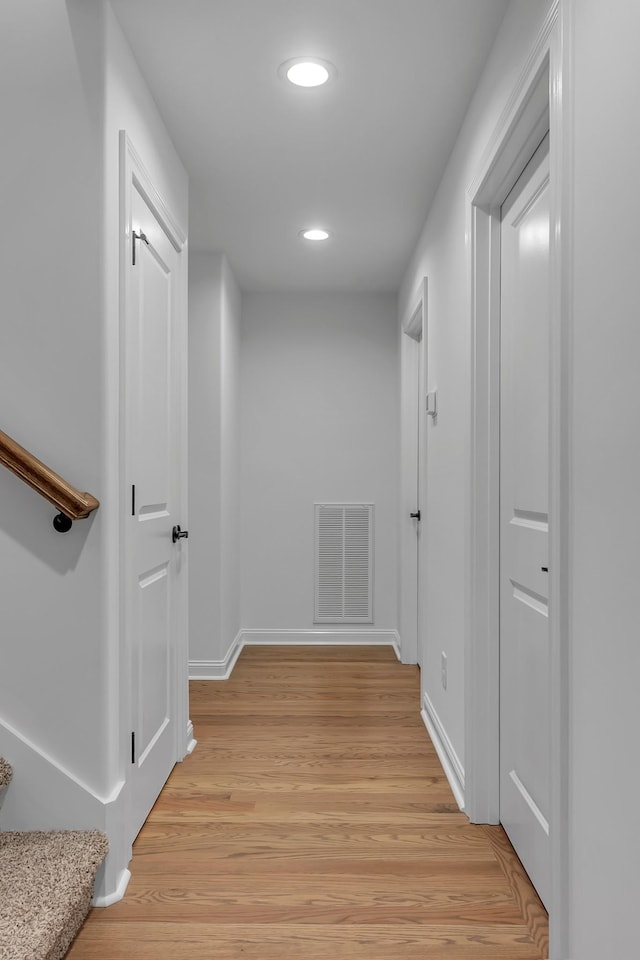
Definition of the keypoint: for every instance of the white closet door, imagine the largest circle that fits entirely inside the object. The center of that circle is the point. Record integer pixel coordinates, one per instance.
(524, 480)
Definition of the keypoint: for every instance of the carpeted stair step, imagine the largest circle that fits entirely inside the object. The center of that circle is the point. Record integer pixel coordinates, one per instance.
(46, 889)
(5, 773)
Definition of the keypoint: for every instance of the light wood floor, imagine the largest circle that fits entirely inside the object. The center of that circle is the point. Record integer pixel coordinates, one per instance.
(313, 821)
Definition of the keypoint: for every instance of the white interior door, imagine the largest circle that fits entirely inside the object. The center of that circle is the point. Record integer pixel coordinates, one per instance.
(413, 492)
(524, 480)
(411, 453)
(421, 478)
(156, 616)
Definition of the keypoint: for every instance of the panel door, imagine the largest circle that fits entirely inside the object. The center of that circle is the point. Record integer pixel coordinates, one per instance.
(409, 585)
(156, 616)
(524, 480)
(421, 481)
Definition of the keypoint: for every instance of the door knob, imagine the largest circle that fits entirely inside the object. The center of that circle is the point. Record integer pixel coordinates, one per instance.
(415, 516)
(179, 534)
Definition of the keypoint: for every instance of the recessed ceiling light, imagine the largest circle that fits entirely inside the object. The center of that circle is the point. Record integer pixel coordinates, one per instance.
(314, 234)
(307, 71)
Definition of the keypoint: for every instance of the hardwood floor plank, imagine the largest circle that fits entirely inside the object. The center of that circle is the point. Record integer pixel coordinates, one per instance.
(281, 781)
(300, 808)
(421, 839)
(195, 941)
(314, 821)
(306, 901)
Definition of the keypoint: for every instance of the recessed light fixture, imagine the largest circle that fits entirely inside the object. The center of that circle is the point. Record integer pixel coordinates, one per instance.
(307, 71)
(315, 233)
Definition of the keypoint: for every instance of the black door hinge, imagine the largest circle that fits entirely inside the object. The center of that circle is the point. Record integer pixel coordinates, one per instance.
(133, 499)
(133, 747)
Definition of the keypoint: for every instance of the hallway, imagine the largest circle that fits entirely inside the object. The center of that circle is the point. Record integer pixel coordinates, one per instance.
(314, 821)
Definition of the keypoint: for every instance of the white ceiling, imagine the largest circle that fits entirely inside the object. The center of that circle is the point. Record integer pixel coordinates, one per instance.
(362, 156)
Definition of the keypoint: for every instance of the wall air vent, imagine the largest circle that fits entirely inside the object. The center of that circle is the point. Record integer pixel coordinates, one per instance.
(343, 563)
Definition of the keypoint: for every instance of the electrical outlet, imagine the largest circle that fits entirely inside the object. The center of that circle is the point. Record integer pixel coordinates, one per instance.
(443, 670)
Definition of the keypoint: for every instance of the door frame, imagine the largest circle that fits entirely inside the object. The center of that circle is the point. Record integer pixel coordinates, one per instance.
(413, 346)
(539, 102)
(134, 175)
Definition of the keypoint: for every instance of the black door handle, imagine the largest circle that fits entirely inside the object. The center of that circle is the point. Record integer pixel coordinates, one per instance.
(179, 534)
(415, 516)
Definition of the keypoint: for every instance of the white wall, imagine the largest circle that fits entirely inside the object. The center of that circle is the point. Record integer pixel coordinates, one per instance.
(442, 255)
(231, 504)
(605, 654)
(214, 589)
(318, 406)
(204, 456)
(53, 637)
(604, 663)
(68, 84)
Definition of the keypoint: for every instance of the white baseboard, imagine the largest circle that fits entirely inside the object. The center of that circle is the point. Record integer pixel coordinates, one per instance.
(118, 892)
(323, 637)
(222, 669)
(190, 740)
(217, 669)
(448, 757)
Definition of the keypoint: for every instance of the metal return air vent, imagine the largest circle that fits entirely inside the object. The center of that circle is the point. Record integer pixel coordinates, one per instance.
(343, 563)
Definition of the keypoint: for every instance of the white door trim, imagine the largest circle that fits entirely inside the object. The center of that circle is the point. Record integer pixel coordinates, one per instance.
(539, 101)
(134, 174)
(414, 327)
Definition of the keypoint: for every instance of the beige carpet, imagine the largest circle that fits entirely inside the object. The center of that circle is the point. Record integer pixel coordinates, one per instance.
(5, 773)
(46, 887)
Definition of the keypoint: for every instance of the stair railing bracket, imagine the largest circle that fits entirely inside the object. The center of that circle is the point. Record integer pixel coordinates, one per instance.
(62, 523)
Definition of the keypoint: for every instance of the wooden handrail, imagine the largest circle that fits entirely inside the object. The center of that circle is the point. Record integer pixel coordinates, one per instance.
(69, 501)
